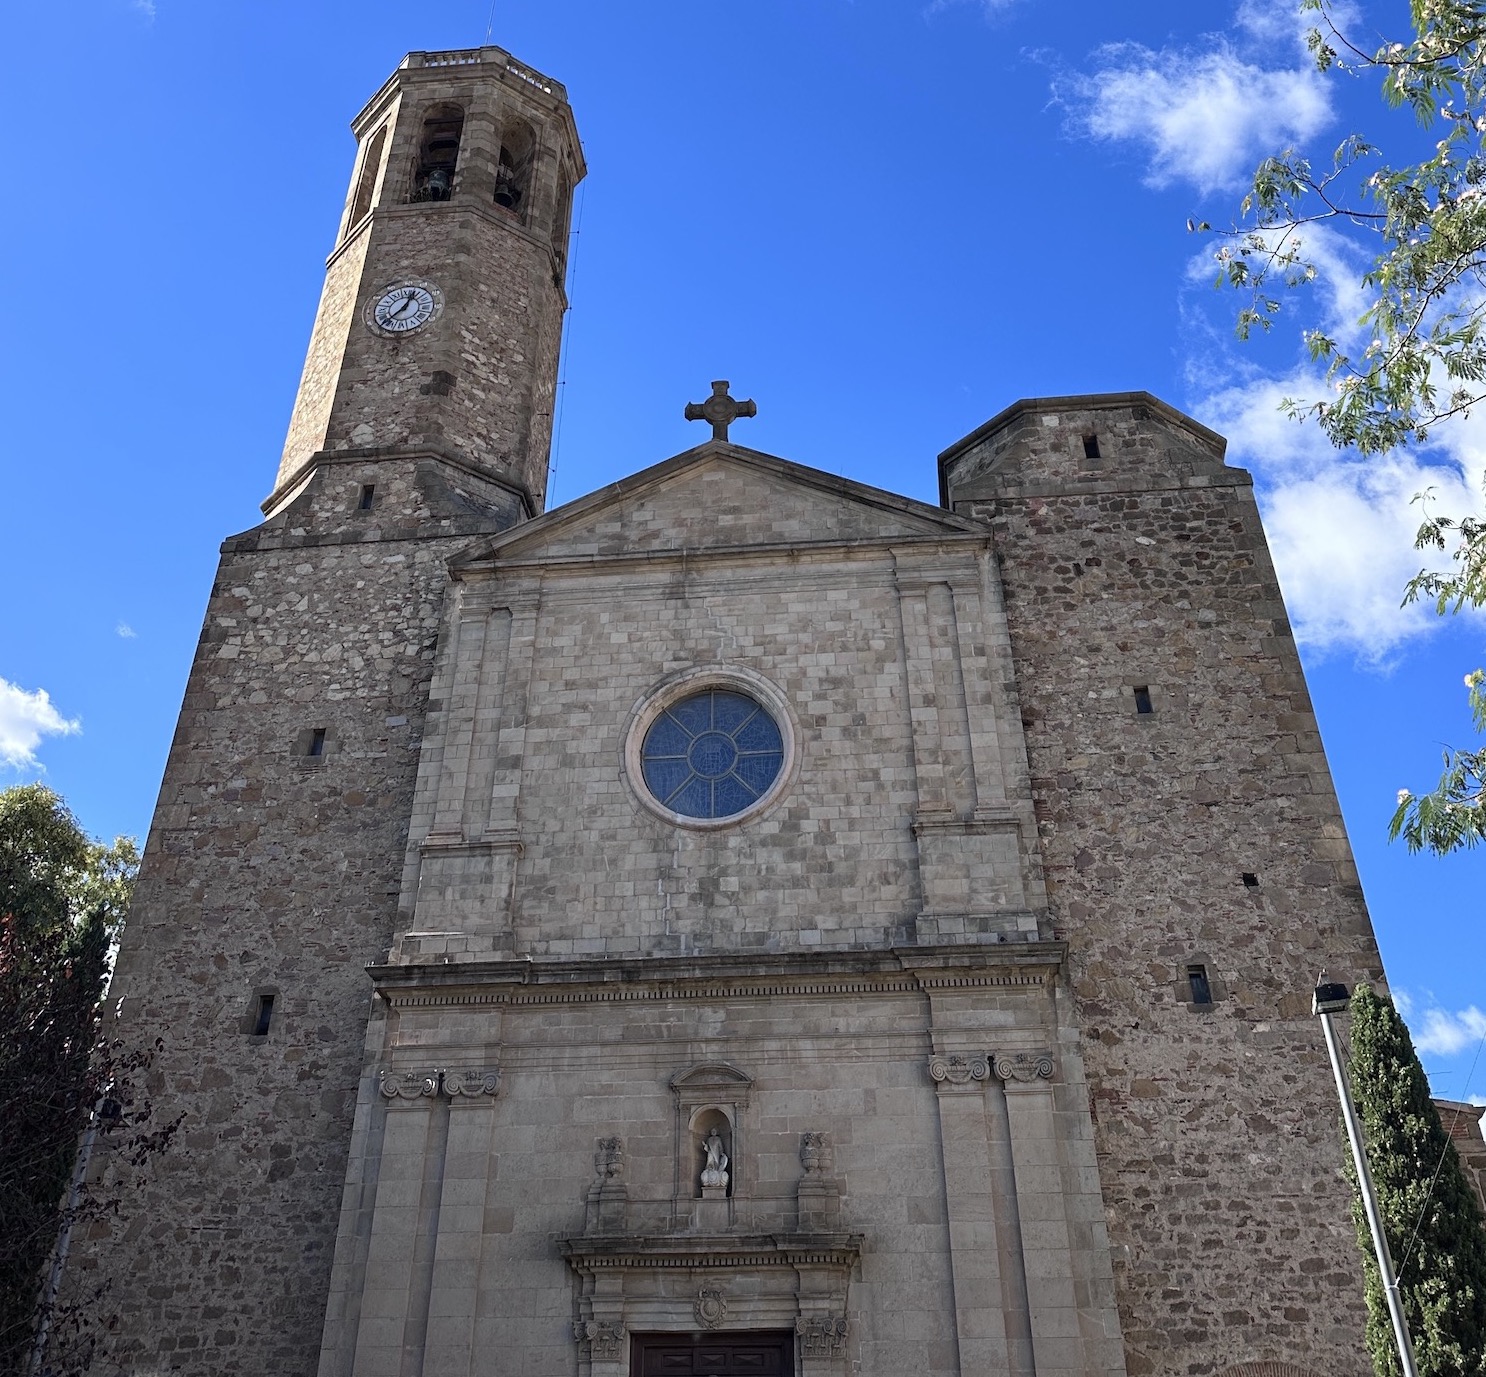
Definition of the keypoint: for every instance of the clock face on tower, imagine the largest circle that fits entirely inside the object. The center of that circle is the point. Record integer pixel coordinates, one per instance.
(404, 307)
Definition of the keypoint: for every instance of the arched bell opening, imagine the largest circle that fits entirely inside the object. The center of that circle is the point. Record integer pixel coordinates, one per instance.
(562, 218)
(513, 168)
(366, 182)
(438, 154)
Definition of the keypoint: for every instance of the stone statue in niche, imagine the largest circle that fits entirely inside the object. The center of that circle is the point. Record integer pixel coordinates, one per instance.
(715, 1170)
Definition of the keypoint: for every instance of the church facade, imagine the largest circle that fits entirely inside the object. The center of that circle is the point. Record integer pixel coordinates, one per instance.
(741, 921)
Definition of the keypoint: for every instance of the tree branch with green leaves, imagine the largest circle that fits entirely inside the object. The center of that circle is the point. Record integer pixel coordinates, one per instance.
(1416, 357)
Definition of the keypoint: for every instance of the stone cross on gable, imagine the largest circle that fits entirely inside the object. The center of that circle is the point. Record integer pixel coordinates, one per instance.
(720, 410)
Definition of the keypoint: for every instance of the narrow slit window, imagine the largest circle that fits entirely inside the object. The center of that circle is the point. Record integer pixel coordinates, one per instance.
(1091, 446)
(264, 1016)
(1143, 700)
(317, 742)
(368, 496)
(1202, 990)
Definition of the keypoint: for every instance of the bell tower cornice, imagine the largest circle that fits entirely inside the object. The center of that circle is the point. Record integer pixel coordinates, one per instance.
(422, 67)
(441, 317)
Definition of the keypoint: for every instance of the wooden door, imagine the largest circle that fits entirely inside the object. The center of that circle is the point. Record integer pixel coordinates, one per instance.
(715, 1355)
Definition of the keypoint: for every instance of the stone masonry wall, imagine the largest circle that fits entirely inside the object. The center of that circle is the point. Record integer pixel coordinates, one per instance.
(1215, 1125)
(478, 379)
(1463, 1123)
(267, 871)
(322, 361)
(536, 836)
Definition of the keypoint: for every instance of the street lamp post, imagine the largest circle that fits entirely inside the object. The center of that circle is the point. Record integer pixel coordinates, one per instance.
(1333, 999)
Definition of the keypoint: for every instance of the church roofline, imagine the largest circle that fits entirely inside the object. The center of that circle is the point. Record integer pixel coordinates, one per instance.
(1091, 401)
(831, 483)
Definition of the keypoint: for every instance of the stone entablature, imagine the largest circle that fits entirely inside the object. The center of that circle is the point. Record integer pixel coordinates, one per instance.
(798, 1282)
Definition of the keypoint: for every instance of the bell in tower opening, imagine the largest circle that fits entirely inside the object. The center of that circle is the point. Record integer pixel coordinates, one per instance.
(513, 166)
(438, 155)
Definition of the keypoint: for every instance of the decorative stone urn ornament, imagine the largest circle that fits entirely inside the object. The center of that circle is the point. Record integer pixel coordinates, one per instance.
(608, 1161)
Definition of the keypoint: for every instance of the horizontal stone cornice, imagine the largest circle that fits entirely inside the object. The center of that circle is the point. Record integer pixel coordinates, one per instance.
(606, 980)
(1011, 494)
(378, 454)
(765, 553)
(586, 1254)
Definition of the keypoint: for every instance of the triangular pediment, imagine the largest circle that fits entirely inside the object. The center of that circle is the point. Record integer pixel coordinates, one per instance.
(712, 1076)
(720, 496)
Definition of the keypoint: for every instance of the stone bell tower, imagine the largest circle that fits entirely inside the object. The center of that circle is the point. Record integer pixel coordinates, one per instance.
(439, 325)
(271, 875)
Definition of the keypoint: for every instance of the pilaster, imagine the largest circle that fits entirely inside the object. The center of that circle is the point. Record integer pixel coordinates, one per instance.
(987, 1329)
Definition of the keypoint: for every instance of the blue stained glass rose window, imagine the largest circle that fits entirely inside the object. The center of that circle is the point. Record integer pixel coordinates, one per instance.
(712, 754)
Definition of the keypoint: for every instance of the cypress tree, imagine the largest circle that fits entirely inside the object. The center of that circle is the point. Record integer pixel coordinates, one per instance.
(1431, 1215)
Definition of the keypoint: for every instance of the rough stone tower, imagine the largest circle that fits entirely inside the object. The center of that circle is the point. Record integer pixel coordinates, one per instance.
(439, 326)
(270, 877)
(1196, 864)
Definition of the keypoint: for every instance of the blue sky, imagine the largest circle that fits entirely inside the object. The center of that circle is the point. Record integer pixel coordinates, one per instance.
(883, 220)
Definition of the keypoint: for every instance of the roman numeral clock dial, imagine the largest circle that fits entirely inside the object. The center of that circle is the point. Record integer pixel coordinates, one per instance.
(404, 307)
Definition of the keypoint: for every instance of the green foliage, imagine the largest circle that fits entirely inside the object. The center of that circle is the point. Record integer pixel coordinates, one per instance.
(51, 874)
(1422, 352)
(1417, 356)
(1453, 815)
(1431, 1216)
(62, 900)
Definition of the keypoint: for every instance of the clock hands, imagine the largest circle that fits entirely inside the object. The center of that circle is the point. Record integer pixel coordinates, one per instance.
(403, 308)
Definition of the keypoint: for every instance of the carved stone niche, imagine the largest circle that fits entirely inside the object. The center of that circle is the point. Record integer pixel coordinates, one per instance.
(710, 1099)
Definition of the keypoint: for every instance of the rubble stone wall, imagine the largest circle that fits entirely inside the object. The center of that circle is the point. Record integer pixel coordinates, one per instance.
(1203, 833)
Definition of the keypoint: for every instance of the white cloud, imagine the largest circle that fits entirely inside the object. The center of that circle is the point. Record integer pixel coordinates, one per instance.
(989, 7)
(1335, 294)
(126, 631)
(145, 7)
(1269, 23)
(26, 717)
(1476, 1099)
(1443, 1034)
(1341, 526)
(1204, 115)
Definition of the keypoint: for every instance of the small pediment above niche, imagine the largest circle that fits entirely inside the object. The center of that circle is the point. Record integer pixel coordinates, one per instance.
(719, 496)
(712, 1080)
